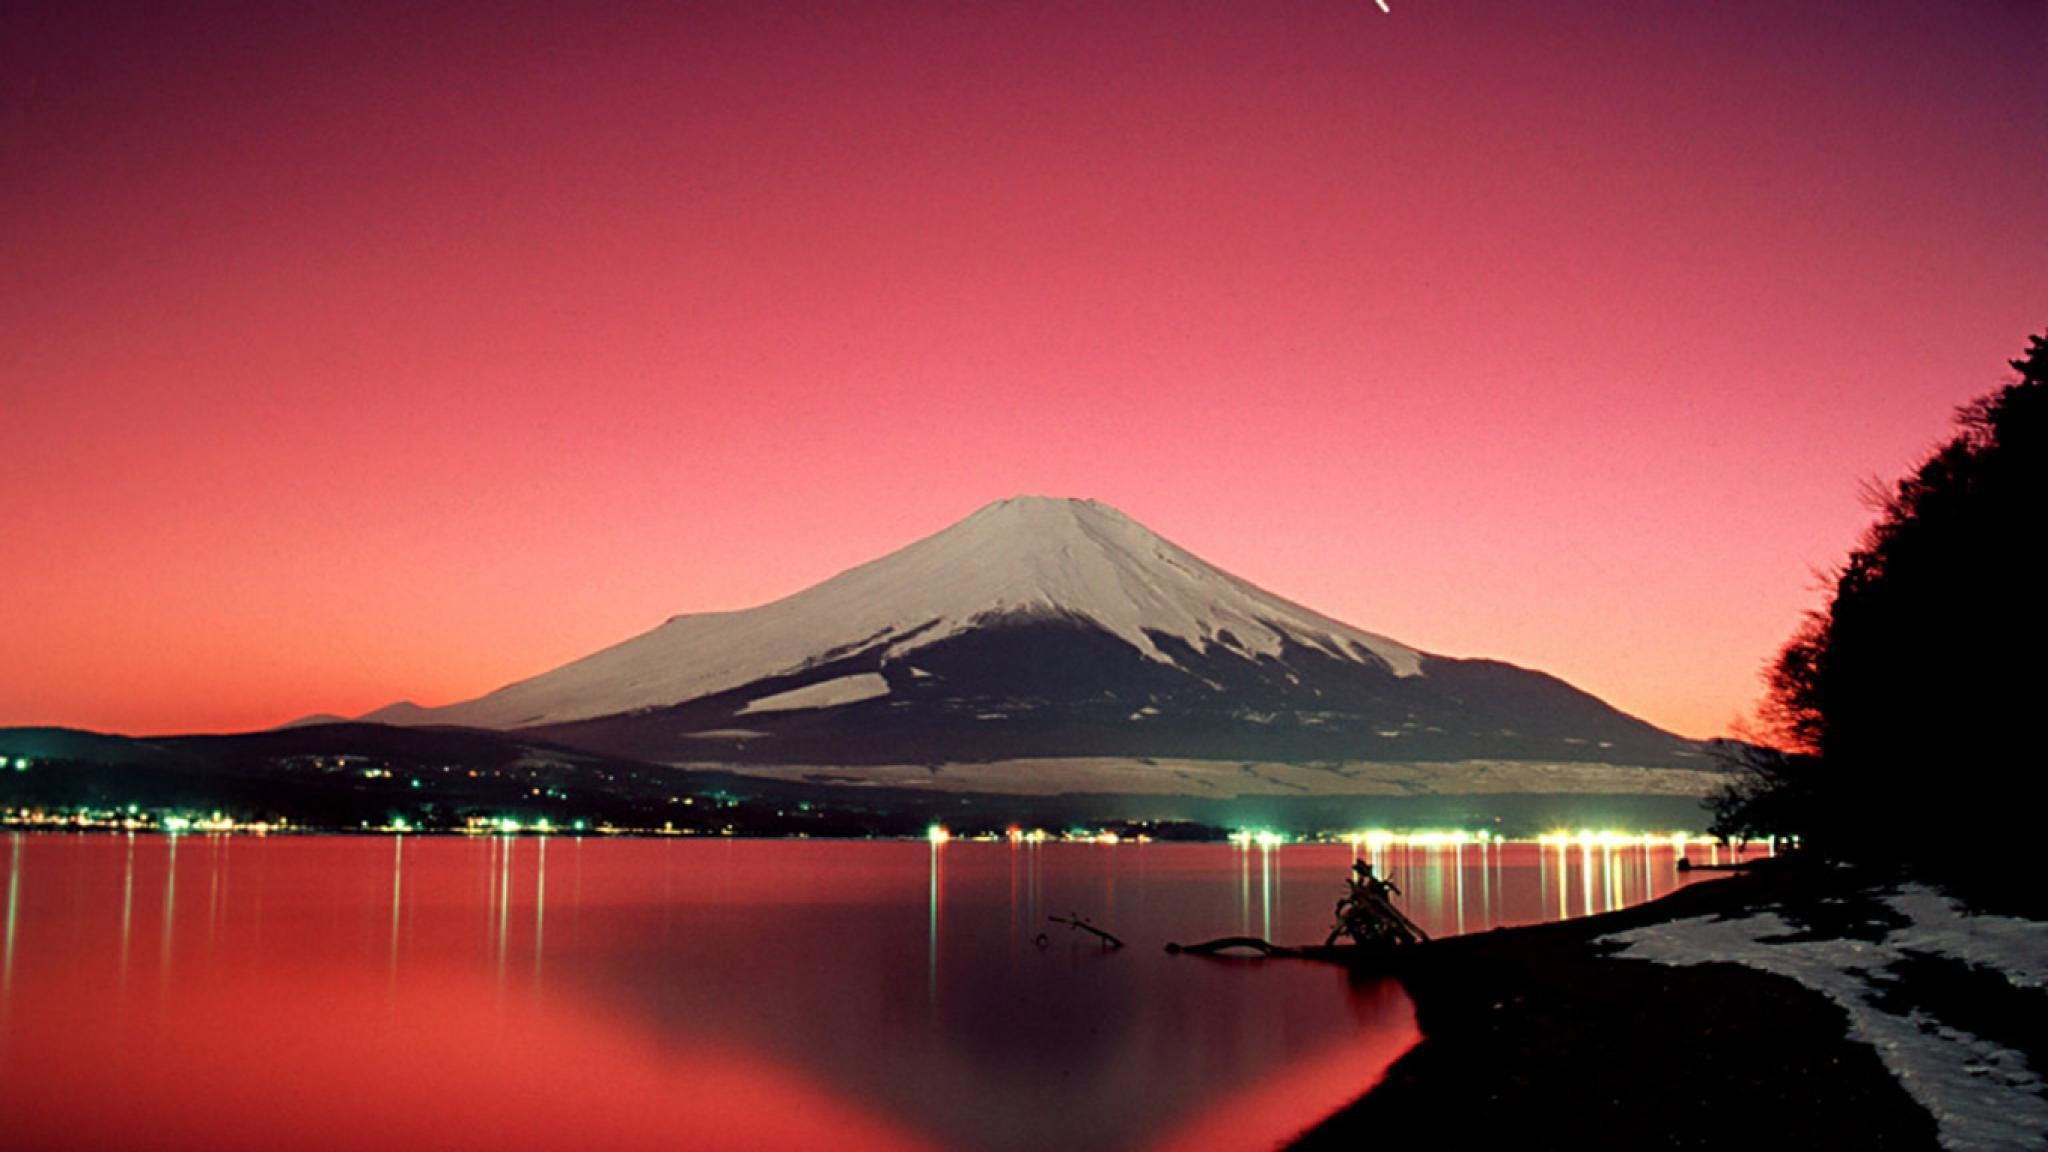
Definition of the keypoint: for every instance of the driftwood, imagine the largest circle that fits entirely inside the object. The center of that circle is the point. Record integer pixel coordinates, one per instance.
(1685, 865)
(1076, 921)
(1401, 918)
(1379, 931)
(1354, 956)
(1226, 943)
(1367, 913)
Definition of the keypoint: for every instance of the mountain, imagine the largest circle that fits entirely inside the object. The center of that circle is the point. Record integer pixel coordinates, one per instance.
(1022, 560)
(1049, 628)
(313, 721)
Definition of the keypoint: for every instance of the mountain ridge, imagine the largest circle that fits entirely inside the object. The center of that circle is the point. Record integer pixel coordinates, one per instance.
(1019, 557)
(1040, 627)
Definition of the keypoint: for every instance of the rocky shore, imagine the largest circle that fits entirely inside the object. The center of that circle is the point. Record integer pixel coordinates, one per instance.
(1646, 1028)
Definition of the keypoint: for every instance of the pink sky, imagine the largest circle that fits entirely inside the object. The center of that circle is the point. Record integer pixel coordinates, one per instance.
(357, 354)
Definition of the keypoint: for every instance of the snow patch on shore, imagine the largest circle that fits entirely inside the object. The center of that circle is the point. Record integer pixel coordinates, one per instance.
(1981, 1094)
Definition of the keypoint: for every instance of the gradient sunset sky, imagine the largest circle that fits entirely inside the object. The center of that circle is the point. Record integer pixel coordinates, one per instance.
(358, 352)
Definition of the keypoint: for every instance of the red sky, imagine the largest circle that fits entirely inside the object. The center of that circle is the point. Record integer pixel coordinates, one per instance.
(351, 353)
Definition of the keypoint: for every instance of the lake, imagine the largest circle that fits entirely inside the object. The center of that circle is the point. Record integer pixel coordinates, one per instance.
(364, 992)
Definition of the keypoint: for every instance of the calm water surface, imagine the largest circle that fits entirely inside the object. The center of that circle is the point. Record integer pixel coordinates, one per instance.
(355, 992)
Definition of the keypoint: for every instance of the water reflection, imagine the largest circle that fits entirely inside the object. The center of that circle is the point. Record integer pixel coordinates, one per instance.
(931, 955)
(1458, 885)
(1266, 858)
(898, 988)
(217, 878)
(397, 894)
(540, 902)
(13, 915)
(1244, 894)
(127, 901)
(1458, 882)
(170, 908)
(1586, 877)
(501, 898)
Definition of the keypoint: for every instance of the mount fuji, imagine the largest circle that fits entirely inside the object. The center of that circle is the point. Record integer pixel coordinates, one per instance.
(1041, 631)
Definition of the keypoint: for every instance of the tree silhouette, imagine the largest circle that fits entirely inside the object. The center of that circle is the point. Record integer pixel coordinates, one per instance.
(1904, 709)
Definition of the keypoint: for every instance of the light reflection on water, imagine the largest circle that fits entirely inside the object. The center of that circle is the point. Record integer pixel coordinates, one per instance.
(13, 904)
(542, 992)
(1452, 887)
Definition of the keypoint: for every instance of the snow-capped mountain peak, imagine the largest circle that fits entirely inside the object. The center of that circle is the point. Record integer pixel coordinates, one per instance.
(1023, 557)
(1084, 559)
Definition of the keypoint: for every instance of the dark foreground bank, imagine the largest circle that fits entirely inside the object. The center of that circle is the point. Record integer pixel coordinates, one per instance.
(1535, 1038)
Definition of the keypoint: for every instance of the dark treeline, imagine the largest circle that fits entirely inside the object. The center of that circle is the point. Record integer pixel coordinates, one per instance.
(1904, 708)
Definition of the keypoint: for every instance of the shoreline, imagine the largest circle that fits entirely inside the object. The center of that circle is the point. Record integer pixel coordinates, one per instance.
(1539, 1037)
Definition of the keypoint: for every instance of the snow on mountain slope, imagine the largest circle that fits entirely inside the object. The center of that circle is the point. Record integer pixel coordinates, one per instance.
(1023, 557)
(827, 694)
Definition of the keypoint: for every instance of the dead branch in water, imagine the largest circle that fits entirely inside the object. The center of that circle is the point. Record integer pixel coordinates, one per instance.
(1224, 944)
(1076, 921)
(1379, 957)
